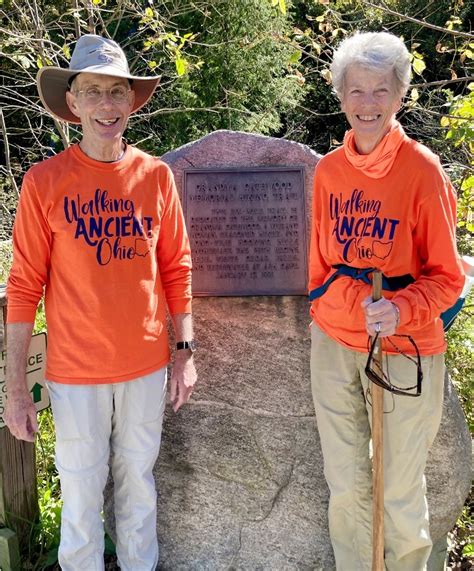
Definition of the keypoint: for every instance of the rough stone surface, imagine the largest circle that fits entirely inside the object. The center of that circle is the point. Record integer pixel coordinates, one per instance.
(449, 468)
(240, 473)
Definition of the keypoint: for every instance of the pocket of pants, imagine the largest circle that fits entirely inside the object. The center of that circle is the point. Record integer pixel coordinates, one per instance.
(82, 425)
(138, 417)
(74, 411)
(148, 397)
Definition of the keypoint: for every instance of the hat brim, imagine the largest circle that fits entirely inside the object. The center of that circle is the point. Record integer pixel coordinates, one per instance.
(53, 83)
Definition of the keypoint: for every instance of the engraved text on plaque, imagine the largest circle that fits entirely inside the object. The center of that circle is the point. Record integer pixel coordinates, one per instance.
(247, 229)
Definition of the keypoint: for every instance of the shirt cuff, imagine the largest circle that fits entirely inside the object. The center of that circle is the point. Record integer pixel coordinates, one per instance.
(180, 306)
(404, 310)
(20, 314)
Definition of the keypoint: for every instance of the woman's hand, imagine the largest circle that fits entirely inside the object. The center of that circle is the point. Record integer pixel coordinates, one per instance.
(381, 316)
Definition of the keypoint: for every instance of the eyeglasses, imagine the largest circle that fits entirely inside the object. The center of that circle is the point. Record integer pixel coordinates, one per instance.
(92, 94)
(375, 373)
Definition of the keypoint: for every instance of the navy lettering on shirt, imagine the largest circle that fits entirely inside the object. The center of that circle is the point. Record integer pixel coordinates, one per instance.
(103, 223)
(360, 228)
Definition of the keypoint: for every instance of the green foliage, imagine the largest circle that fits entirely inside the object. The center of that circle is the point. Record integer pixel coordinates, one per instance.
(260, 66)
(436, 55)
(237, 73)
(461, 541)
(8, 202)
(6, 258)
(48, 486)
(459, 357)
(459, 125)
(460, 122)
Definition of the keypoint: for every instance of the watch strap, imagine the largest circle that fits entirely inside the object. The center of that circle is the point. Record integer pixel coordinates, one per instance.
(186, 345)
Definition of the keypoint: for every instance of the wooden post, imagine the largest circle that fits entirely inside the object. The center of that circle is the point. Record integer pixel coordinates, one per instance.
(377, 450)
(18, 491)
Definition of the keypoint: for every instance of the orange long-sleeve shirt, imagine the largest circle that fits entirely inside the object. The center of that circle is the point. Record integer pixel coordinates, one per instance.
(108, 244)
(402, 223)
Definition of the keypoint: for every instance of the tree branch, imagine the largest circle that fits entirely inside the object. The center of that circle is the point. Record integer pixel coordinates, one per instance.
(419, 22)
(442, 82)
(7, 153)
(77, 25)
(215, 109)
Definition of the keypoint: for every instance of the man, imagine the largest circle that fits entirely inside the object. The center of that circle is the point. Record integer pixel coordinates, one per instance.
(100, 228)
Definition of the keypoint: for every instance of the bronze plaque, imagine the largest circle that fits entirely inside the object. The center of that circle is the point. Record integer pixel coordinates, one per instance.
(247, 229)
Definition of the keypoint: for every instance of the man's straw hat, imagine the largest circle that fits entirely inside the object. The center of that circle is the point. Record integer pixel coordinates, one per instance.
(92, 54)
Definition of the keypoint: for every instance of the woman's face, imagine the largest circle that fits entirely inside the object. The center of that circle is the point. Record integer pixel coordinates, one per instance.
(370, 101)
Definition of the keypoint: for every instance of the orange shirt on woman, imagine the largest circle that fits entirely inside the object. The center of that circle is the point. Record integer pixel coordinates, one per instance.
(401, 223)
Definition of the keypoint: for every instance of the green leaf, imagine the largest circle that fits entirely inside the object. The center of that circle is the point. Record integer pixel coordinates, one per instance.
(52, 557)
(149, 12)
(468, 183)
(152, 64)
(109, 546)
(180, 66)
(282, 5)
(419, 66)
(39, 62)
(444, 122)
(96, 2)
(295, 57)
(468, 550)
(66, 51)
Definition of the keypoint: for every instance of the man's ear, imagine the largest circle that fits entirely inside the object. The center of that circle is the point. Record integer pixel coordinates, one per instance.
(132, 99)
(71, 103)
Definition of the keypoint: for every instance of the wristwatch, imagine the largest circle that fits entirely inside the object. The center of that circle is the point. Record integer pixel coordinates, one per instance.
(191, 345)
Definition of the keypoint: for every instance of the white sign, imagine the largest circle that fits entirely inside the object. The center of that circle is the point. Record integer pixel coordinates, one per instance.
(35, 369)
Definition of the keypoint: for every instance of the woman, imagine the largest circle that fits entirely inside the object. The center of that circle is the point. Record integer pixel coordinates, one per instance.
(380, 201)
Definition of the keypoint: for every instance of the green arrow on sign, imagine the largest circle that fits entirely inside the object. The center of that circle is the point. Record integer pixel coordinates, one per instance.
(36, 392)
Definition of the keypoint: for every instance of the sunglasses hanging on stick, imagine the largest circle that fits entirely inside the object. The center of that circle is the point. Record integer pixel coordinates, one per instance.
(375, 372)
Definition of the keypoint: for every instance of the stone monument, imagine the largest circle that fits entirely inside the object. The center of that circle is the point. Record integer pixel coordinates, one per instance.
(240, 473)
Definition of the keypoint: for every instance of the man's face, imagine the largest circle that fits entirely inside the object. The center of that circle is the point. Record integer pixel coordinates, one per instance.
(103, 104)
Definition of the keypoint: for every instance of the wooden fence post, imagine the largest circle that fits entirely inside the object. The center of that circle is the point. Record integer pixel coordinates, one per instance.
(18, 492)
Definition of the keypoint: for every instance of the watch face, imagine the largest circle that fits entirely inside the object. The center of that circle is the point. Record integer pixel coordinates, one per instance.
(192, 345)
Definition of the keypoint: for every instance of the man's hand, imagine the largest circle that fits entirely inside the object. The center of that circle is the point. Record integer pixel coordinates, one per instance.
(183, 378)
(20, 413)
(20, 416)
(381, 316)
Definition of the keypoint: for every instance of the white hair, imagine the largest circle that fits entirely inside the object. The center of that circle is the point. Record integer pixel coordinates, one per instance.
(378, 51)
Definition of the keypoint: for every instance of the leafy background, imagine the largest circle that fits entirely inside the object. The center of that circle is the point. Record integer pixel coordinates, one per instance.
(260, 66)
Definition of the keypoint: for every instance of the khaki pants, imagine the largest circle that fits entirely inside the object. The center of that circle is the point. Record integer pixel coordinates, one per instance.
(90, 421)
(344, 416)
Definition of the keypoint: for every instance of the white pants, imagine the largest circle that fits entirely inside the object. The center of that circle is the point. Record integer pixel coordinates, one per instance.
(344, 417)
(90, 421)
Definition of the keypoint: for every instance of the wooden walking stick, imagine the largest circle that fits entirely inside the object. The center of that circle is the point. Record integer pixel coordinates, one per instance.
(377, 447)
